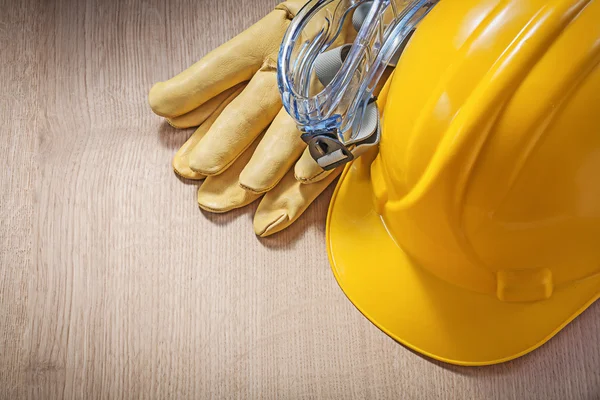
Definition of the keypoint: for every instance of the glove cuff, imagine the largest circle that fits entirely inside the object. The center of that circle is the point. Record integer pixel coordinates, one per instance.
(291, 7)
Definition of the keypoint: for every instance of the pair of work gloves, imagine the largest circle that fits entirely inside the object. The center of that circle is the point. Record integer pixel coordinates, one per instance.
(246, 146)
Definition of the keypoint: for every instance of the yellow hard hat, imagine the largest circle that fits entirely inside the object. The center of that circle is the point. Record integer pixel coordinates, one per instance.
(474, 235)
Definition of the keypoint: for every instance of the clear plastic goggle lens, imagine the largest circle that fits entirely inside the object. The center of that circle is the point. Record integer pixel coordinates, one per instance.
(376, 29)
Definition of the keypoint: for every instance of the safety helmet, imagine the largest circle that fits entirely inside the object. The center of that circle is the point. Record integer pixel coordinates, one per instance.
(473, 237)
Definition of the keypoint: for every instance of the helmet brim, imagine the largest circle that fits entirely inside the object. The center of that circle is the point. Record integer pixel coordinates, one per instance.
(423, 312)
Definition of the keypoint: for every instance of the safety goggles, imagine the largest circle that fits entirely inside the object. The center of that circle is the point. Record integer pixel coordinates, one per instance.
(328, 90)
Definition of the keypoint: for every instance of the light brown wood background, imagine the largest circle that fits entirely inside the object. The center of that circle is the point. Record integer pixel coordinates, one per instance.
(114, 285)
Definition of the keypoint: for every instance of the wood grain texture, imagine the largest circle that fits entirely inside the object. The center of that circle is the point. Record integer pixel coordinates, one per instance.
(114, 285)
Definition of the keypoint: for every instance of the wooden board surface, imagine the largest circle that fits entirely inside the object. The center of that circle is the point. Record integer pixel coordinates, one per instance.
(114, 285)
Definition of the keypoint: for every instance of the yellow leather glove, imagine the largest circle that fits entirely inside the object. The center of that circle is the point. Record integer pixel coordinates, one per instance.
(246, 144)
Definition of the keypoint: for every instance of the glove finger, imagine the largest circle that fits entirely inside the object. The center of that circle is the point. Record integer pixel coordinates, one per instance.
(233, 62)
(181, 164)
(248, 115)
(307, 170)
(274, 156)
(223, 192)
(202, 113)
(286, 202)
